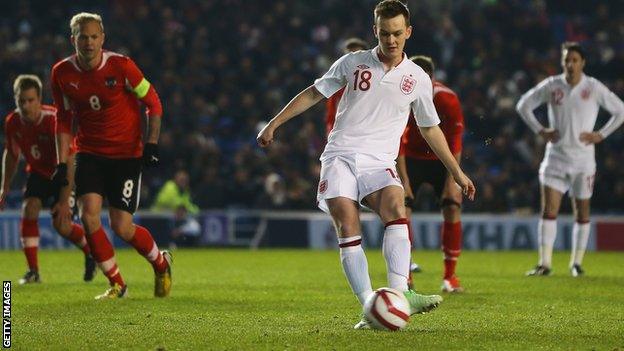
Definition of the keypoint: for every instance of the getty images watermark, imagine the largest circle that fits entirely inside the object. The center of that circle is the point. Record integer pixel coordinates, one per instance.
(6, 314)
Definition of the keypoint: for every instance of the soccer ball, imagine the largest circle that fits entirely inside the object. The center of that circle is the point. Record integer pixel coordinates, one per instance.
(387, 309)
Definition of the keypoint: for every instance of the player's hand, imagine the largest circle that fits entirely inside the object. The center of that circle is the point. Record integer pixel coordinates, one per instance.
(61, 211)
(150, 155)
(265, 137)
(466, 185)
(59, 177)
(408, 190)
(591, 138)
(549, 134)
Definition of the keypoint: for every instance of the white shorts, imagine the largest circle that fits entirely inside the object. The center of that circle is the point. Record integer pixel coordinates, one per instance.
(354, 177)
(580, 185)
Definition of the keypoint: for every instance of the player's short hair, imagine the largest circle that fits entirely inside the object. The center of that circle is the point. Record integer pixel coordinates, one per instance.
(82, 18)
(25, 82)
(425, 62)
(354, 44)
(573, 46)
(391, 9)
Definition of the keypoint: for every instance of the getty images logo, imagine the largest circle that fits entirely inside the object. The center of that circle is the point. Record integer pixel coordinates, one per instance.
(6, 314)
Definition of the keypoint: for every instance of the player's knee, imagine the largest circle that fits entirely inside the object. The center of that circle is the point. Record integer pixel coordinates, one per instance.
(90, 221)
(393, 211)
(31, 209)
(63, 230)
(346, 228)
(123, 229)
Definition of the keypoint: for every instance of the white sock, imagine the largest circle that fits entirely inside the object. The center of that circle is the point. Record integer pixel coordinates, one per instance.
(355, 266)
(546, 233)
(580, 236)
(396, 251)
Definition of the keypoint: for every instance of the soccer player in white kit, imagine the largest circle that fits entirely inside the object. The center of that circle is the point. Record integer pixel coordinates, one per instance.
(357, 166)
(569, 162)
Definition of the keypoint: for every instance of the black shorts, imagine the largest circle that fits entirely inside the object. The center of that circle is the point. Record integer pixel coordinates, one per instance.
(426, 171)
(41, 187)
(117, 180)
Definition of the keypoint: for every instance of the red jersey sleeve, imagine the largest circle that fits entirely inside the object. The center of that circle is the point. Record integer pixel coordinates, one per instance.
(449, 109)
(143, 89)
(64, 114)
(10, 143)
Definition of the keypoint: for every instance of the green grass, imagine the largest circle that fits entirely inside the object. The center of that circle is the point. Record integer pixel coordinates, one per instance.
(299, 300)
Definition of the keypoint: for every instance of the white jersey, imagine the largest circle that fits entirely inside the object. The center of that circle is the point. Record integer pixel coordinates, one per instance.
(571, 111)
(375, 106)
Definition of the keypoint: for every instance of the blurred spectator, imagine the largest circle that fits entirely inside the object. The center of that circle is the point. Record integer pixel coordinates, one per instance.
(175, 194)
(186, 230)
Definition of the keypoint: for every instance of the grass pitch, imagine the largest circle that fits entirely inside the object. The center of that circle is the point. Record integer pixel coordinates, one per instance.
(299, 300)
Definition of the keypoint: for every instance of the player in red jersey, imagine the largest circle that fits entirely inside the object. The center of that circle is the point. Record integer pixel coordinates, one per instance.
(331, 105)
(29, 130)
(418, 164)
(100, 92)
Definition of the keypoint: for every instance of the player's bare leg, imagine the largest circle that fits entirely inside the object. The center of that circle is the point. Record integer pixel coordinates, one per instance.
(451, 234)
(580, 235)
(90, 206)
(388, 203)
(547, 230)
(76, 234)
(141, 239)
(346, 217)
(30, 238)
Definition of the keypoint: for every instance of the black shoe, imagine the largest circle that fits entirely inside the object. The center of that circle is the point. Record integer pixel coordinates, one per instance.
(539, 270)
(576, 270)
(90, 268)
(30, 277)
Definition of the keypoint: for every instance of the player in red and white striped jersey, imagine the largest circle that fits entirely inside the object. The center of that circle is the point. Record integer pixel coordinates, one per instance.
(100, 92)
(29, 130)
(418, 164)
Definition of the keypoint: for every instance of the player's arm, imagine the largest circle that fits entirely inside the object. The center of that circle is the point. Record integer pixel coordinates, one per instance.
(63, 131)
(528, 103)
(145, 91)
(326, 86)
(436, 140)
(10, 161)
(612, 103)
(299, 104)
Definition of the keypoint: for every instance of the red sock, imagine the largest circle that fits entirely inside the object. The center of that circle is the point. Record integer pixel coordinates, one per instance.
(77, 236)
(146, 246)
(103, 253)
(30, 242)
(451, 246)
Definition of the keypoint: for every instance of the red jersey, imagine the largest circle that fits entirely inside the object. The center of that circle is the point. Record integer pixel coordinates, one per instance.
(331, 108)
(104, 102)
(36, 141)
(447, 105)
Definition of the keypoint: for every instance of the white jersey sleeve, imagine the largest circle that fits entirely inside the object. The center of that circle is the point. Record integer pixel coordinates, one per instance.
(334, 79)
(612, 103)
(423, 108)
(530, 101)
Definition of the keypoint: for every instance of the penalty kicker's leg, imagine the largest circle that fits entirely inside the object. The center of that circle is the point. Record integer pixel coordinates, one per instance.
(141, 239)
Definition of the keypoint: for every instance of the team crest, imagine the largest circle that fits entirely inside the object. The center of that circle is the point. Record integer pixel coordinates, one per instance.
(585, 93)
(110, 82)
(322, 186)
(407, 85)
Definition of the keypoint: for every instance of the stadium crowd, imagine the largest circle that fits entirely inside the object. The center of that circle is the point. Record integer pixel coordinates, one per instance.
(222, 68)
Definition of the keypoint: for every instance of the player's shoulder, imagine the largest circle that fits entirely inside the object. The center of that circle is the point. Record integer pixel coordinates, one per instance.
(12, 117)
(114, 57)
(440, 88)
(68, 63)
(48, 110)
(593, 82)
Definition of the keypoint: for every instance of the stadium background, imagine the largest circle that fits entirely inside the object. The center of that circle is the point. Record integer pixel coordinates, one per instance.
(223, 67)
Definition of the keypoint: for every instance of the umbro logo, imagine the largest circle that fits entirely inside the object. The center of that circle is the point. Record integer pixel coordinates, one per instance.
(73, 84)
(363, 66)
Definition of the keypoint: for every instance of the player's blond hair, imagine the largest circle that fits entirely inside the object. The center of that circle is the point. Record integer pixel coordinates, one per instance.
(82, 18)
(25, 82)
